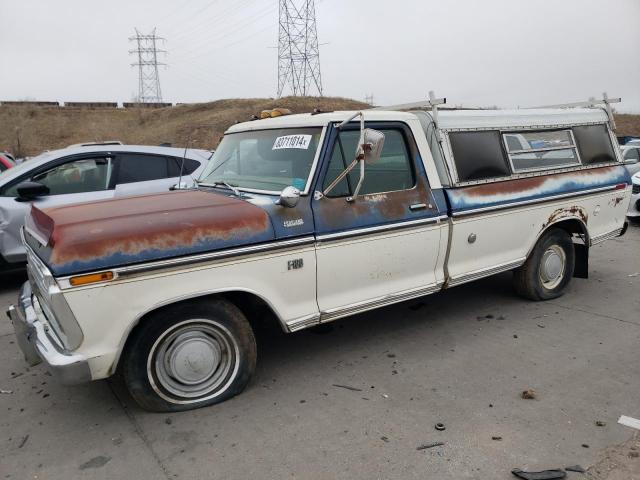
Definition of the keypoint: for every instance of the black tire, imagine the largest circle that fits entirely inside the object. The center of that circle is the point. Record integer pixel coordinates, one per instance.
(166, 356)
(528, 280)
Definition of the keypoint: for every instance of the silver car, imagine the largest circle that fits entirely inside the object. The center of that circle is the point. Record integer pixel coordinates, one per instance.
(83, 173)
(631, 155)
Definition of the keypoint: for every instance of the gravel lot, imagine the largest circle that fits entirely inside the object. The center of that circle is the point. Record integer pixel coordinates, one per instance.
(461, 357)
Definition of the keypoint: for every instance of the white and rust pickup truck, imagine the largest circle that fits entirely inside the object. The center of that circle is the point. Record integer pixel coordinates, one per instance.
(305, 219)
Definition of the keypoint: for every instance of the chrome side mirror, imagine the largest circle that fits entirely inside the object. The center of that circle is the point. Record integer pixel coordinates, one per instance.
(289, 197)
(372, 145)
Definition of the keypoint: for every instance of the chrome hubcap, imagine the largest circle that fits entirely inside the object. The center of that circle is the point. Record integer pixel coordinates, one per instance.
(552, 266)
(193, 358)
(196, 359)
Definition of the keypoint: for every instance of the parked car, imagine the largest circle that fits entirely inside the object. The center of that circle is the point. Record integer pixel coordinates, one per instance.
(84, 173)
(304, 219)
(631, 156)
(6, 162)
(634, 204)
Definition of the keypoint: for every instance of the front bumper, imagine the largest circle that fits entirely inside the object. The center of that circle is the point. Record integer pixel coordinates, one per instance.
(33, 339)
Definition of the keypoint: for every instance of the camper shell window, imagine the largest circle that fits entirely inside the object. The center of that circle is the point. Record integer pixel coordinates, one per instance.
(541, 150)
(594, 144)
(479, 155)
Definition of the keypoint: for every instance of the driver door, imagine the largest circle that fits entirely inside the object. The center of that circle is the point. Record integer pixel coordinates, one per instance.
(383, 246)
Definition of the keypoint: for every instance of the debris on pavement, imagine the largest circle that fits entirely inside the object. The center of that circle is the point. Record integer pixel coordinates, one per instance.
(430, 445)
(542, 475)
(24, 441)
(353, 389)
(575, 468)
(600, 423)
(440, 426)
(629, 422)
(634, 274)
(528, 394)
(168, 421)
(585, 445)
(6, 392)
(497, 438)
(95, 462)
(384, 439)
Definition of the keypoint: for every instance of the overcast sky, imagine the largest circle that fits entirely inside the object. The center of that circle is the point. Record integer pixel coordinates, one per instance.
(489, 52)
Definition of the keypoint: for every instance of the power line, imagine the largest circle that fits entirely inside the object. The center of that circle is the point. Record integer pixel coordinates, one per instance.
(149, 90)
(212, 22)
(214, 39)
(298, 51)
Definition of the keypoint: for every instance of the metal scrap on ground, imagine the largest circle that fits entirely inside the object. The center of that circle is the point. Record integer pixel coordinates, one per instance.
(629, 422)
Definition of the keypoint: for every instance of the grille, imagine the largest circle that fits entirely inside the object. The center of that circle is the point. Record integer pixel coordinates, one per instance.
(635, 189)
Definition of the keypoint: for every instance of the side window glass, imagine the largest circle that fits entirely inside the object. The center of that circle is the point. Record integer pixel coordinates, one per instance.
(541, 150)
(478, 155)
(594, 144)
(85, 175)
(175, 163)
(392, 173)
(135, 167)
(632, 154)
(344, 149)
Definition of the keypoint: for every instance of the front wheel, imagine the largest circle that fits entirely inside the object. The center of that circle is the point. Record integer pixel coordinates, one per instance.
(549, 268)
(189, 356)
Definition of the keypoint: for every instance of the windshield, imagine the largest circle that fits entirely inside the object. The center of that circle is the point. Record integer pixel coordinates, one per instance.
(267, 160)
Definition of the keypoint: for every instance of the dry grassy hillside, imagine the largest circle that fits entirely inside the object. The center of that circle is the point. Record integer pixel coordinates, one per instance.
(28, 130)
(628, 125)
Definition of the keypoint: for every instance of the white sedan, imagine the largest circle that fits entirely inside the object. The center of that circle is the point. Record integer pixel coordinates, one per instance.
(83, 173)
(634, 206)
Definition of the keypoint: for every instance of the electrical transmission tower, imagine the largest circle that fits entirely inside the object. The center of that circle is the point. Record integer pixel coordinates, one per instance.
(298, 52)
(148, 79)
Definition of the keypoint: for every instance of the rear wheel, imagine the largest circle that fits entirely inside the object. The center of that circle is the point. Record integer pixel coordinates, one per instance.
(189, 356)
(549, 268)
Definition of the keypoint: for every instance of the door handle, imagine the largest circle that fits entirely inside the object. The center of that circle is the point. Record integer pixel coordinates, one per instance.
(417, 206)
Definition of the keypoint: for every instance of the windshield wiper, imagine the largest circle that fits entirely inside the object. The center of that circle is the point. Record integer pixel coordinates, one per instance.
(233, 188)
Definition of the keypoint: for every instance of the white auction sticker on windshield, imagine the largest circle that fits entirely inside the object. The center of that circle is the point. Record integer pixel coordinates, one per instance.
(292, 141)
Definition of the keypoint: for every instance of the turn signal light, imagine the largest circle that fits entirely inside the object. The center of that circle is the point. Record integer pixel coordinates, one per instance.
(91, 278)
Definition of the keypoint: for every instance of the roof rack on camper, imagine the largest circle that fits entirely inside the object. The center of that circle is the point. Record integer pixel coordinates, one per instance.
(592, 102)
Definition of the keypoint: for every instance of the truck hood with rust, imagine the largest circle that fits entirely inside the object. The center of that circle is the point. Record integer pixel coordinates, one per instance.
(125, 231)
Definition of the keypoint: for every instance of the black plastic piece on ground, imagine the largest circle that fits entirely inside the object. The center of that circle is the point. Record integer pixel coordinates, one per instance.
(575, 468)
(543, 475)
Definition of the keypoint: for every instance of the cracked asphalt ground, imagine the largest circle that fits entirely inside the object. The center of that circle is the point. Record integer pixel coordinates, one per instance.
(461, 357)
